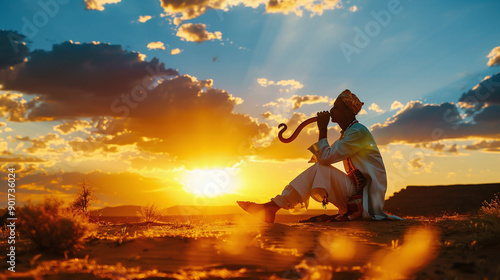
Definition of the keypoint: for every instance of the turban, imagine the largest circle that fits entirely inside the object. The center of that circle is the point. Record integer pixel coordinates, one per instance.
(351, 101)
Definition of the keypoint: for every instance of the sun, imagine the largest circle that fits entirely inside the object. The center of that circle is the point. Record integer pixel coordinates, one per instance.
(210, 182)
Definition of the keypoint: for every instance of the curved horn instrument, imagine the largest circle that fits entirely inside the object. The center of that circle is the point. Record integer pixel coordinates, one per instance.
(296, 132)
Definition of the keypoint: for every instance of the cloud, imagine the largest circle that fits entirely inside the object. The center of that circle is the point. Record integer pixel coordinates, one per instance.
(489, 146)
(156, 46)
(297, 101)
(293, 84)
(182, 115)
(487, 91)
(197, 33)
(182, 10)
(298, 6)
(13, 49)
(42, 143)
(418, 122)
(129, 102)
(90, 145)
(72, 126)
(175, 51)
(99, 4)
(21, 158)
(376, 108)
(143, 19)
(363, 112)
(353, 9)
(396, 105)
(81, 80)
(417, 164)
(14, 107)
(494, 57)
(438, 147)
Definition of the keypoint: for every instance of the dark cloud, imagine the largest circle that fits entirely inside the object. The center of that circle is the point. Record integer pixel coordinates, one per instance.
(129, 101)
(489, 115)
(81, 80)
(487, 91)
(13, 49)
(489, 146)
(189, 119)
(438, 147)
(424, 123)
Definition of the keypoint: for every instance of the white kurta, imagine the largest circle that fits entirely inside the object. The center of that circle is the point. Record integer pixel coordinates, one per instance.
(358, 144)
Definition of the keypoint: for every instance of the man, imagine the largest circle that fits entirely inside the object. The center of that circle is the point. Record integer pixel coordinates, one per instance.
(325, 183)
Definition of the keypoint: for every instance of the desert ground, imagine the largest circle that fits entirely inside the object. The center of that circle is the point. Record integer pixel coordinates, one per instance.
(241, 247)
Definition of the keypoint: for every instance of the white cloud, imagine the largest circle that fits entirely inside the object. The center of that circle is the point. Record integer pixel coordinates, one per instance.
(143, 19)
(99, 4)
(284, 83)
(396, 105)
(197, 33)
(175, 51)
(494, 57)
(297, 101)
(156, 46)
(376, 108)
(184, 10)
(353, 8)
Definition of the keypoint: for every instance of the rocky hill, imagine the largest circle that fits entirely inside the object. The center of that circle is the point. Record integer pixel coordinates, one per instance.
(436, 200)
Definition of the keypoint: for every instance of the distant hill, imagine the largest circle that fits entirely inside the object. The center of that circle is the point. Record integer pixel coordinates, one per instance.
(411, 201)
(436, 200)
(188, 210)
(122, 211)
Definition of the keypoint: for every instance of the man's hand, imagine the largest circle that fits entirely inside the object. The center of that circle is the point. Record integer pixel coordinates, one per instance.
(323, 120)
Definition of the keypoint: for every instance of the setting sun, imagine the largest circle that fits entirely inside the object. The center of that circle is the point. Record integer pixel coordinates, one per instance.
(210, 182)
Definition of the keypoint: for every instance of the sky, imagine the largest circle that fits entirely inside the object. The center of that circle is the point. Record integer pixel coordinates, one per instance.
(178, 102)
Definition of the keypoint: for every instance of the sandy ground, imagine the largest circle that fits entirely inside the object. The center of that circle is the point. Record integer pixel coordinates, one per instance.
(238, 247)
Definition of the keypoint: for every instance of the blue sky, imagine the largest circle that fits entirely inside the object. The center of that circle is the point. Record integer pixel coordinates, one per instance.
(428, 51)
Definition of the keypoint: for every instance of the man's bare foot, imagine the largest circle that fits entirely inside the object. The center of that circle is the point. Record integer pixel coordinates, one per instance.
(265, 210)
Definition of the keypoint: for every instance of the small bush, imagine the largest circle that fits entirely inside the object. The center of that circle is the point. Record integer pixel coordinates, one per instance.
(52, 227)
(491, 208)
(150, 213)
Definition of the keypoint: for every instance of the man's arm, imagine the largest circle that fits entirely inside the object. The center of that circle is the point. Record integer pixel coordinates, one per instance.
(323, 133)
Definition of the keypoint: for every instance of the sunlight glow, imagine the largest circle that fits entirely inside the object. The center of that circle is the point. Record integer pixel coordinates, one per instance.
(210, 182)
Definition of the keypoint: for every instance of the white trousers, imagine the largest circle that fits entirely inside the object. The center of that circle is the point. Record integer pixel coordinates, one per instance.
(317, 182)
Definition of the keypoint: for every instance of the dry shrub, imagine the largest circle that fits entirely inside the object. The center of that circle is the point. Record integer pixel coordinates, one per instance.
(52, 227)
(150, 213)
(491, 208)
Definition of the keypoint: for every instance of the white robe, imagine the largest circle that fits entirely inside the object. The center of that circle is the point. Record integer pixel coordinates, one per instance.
(358, 144)
(320, 179)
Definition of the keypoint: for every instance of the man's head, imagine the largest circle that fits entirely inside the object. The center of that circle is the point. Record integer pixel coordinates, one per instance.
(346, 106)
